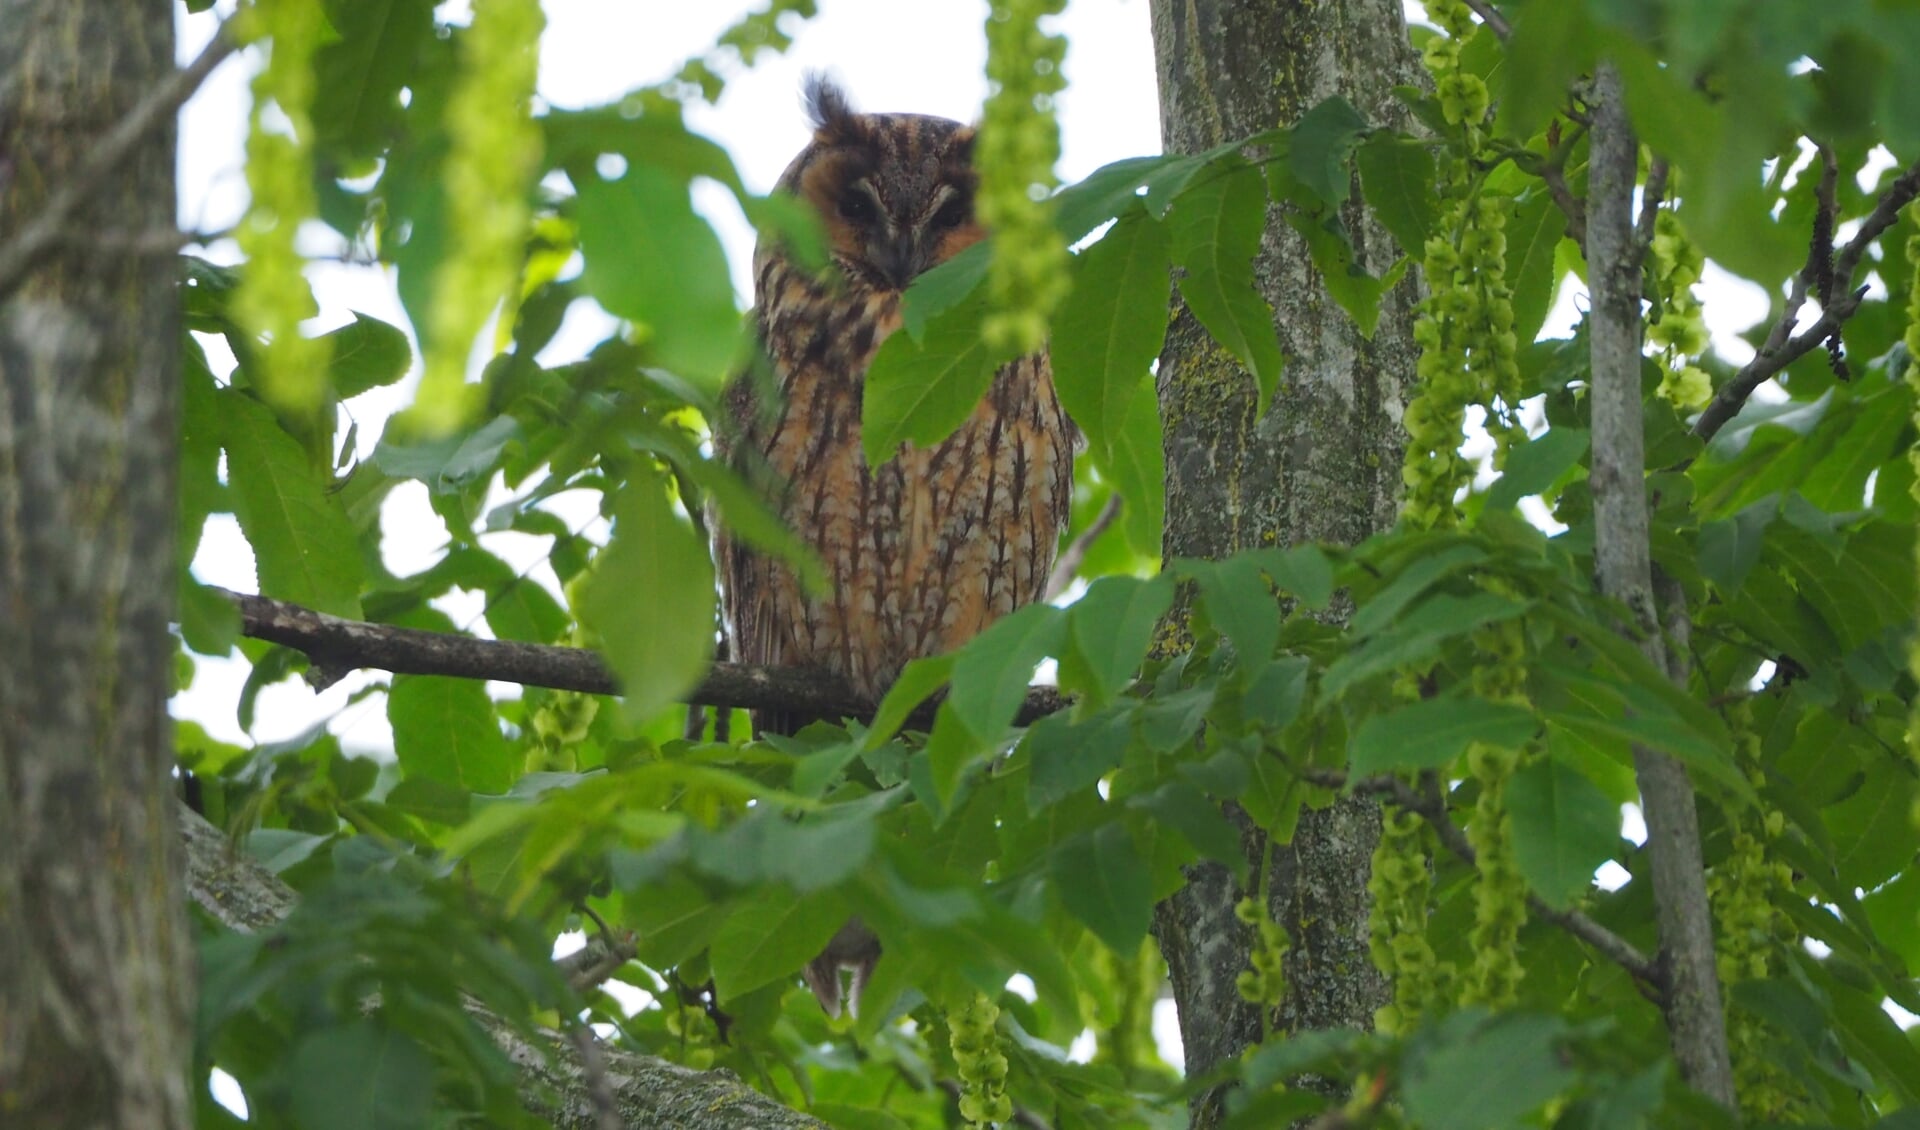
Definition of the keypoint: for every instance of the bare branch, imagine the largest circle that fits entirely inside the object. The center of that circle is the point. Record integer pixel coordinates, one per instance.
(1076, 553)
(51, 224)
(1491, 16)
(1695, 1021)
(1651, 196)
(1780, 350)
(336, 646)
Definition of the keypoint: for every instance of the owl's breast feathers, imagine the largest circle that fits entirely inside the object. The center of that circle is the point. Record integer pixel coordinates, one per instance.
(922, 552)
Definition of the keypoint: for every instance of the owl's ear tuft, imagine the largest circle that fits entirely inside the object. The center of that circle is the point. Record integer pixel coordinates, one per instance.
(834, 121)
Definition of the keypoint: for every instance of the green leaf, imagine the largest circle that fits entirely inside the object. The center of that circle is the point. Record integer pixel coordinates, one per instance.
(1431, 733)
(444, 730)
(650, 600)
(1110, 627)
(1729, 549)
(1564, 828)
(200, 491)
(361, 1074)
(1357, 292)
(1135, 464)
(1240, 601)
(1068, 755)
(303, 546)
(1303, 571)
(1108, 331)
(209, 622)
(916, 682)
(1322, 141)
(1111, 189)
(1397, 176)
(429, 799)
(1873, 834)
(935, 291)
(651, 260)
(524, 610)
(367, 353)
(1537, 465)
(1418, 635)
(1419, 575)
(1552, 44)
(1534, 232)
(770, 936)
(1104, 883)
(1199, 820)
(1216, 228)
(358, 75)
(990, 674)
(921, 391)
(1476, 1073)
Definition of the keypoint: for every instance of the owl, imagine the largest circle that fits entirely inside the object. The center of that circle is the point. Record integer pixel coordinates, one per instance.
(928, 548)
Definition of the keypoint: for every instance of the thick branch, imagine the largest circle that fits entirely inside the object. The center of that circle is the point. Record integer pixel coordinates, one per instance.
(1491, 16)
(336, 646)
(647, 1092)
(1780, 349)
(1695, 1021)
(50, 225)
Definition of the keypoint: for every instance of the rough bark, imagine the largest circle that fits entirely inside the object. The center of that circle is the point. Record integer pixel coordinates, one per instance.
(95, 963)
(556, 1083)
(1694, 1018)
(1322, 464)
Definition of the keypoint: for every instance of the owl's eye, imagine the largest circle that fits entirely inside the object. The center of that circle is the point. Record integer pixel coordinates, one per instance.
(953, 213)
(856, 207)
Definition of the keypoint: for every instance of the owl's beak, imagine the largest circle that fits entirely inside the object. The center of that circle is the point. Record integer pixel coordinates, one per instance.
(901, 259)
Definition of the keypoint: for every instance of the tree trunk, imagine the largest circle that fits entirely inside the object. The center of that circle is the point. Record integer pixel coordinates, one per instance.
(95, 958)
(1323, 464)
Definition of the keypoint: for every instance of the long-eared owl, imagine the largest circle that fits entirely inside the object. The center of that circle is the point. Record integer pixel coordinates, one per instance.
(927, 549)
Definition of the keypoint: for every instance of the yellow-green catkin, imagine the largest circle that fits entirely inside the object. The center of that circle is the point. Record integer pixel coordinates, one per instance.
(1500, 897)
(1018, 145)
(1264, 982)
(492, 160)
(1751, 935)
(981, 1065)
(1681, 331)
(1468, 348)
(1912, 340)
(273, 298)
(1400, 887)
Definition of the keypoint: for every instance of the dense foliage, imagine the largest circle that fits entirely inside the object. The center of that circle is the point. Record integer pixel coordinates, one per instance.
(1462, 666)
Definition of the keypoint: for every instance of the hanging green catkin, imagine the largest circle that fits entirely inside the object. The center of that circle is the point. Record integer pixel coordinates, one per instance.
(273, 298)
(741, 43)
(493, 157)
(981, 1064)
(1912, 340)
(1019, 143)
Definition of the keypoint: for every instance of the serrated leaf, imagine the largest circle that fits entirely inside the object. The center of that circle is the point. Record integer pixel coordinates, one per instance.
(920, 392)
(652, 260)
(444, 729)
(1109, 330)
(769, 937)
(367, 353)
(1216, 229)
(1135, 463)
(1534, 232)
(1352, 288)
(650, 600)
(1067, 755)
(360, 1074)
(1730, 549)
(1239, 600)
(991, 674)
(1418, 635)
(1200, 821)
(1322, 141)
(524, 610)
(358, 75)
(1397, 176)
(942, 287)
(1110, 627)
(1536, 465)
(433, 800)
(916, 683)
(303, 546)
(1104, 883)
(1431, 733)
(1110, 190)
(1477, 1072)
(1564, 828)
(1302, 571)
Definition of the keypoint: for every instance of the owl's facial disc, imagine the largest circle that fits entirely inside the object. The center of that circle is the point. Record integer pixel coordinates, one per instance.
(899, 240)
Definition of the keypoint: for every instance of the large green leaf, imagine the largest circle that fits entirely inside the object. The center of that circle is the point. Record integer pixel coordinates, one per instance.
(1104, 883)
(770, 936)
(921, 391)
(444, 730)
(1108, 331)
(1564, 828)
(1431, 733)
(1241, 602)
(1535, 465)
(652, 260)
(1397, 175)
(650, 600)
(366, 353)
(1216, 227)
(361, 1074)
(1534, 232)
(1110, 627)
(915, 684)
(1066, 755)
(1135, 463)
(991, 674)
(303, 546)
(1473, 1072)
(1418, 635)
(1322, 142)
(358, 75)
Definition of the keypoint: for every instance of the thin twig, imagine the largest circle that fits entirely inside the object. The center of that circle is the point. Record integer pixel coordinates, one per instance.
(1491, 16)
(1780, 350)
(1651, 196)
(593, 1071)
(1070, 561)
(50, 224)
(335, 646)
(1554, 172)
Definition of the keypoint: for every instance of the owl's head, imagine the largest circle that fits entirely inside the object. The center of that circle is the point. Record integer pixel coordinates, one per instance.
(894, 191)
